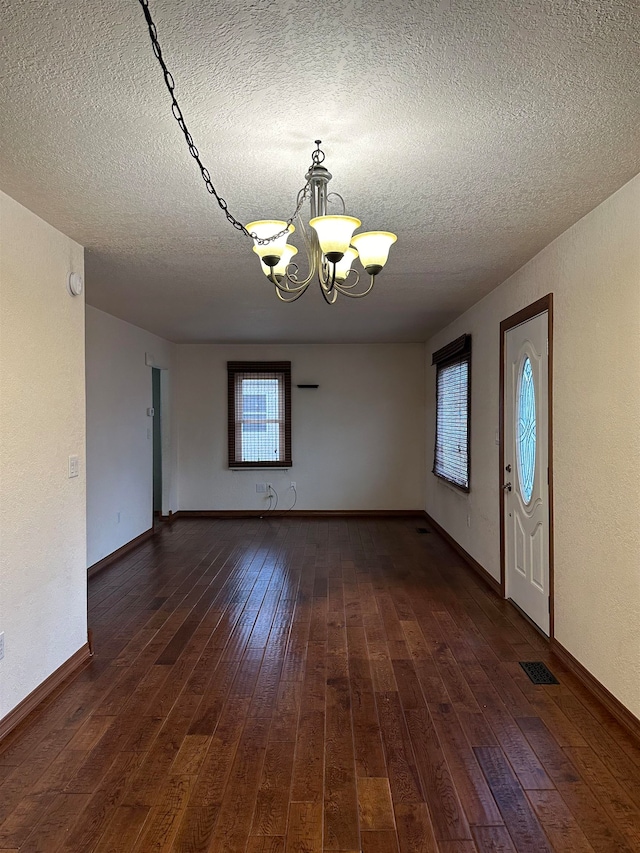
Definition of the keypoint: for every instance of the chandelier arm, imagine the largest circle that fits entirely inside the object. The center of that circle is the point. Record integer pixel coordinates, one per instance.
(327, 281)
(356, 295)
(333, 276)
(317, 157)
(311, 246)
(285, 288)
(329, 291)
(343, 284)
(330, 295)
(291, 299)
(305, 234)
(312, 256)
(337, 195)
(292, 277)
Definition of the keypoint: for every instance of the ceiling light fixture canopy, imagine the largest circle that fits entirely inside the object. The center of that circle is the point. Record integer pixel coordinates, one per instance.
(331, 245)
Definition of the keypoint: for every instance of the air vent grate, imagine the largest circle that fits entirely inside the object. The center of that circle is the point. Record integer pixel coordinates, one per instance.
(538, 672)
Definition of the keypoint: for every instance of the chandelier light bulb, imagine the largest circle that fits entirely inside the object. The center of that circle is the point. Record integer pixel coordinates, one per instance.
(343, 266)
(280, 268)
(334, 234)
(373, 248)
(269, 253)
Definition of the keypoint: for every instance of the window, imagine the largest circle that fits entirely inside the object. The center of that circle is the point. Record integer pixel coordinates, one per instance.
(259, 414)
(526, 430)
(453, 384)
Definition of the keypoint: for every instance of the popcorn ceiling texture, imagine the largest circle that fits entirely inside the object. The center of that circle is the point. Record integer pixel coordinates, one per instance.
(477, 131)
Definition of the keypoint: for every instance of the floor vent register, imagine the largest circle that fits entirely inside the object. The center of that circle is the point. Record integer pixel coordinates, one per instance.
(538, 672)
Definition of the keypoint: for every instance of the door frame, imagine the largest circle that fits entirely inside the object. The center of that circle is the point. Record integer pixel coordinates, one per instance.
(541, 305)
(156, 427)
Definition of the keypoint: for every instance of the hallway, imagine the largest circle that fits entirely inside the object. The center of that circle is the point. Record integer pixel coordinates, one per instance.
(311, 685)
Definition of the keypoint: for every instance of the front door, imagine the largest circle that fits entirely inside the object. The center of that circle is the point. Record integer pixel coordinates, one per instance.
(526, 468)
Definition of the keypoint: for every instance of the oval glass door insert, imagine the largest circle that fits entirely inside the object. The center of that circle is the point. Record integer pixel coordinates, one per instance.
(526, 419)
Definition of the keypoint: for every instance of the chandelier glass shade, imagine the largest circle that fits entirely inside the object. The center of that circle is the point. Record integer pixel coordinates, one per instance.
(329, 241)
(334, 234)
(270, 249)
(283, 263)
(373, 249)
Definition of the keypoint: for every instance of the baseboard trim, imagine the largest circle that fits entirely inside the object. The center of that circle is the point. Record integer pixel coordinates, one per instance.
(469, 560)
(69, 668)
(115, 555)
(297, 513)
(615, 707)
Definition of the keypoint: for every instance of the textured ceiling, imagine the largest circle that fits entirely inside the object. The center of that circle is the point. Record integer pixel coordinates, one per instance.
(477, 131)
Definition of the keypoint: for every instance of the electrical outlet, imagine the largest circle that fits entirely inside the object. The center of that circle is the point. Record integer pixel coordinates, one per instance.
(261, 488)
(74, 466)
(293, 485)
(269, 488)
(1, 645)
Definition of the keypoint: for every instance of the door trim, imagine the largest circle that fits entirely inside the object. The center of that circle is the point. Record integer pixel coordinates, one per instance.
(541, 305)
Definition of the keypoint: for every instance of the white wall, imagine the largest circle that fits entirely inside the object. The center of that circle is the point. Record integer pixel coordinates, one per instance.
(43, 605)
(119, 448)
(593, 271)
(358, 440)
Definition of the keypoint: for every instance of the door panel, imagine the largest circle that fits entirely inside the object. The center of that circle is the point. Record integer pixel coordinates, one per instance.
(538, 558)
(526, 504)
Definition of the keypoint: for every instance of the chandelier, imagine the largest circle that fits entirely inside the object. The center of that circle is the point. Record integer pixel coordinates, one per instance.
(330, 243)
(331, 246)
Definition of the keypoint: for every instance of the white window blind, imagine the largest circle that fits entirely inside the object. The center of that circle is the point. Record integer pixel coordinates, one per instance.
(451, 458)
(259, 418)
(259, 414)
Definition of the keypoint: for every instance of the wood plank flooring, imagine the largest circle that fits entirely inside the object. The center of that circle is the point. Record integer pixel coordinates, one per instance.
(313, 686)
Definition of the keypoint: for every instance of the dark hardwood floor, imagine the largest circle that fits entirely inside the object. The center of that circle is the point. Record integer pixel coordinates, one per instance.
(300, 686)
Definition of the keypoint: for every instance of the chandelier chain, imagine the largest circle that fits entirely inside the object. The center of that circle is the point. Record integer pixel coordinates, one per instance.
(317, 156)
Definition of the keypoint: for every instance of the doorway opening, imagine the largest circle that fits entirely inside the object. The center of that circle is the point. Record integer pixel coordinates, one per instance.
(157, 443)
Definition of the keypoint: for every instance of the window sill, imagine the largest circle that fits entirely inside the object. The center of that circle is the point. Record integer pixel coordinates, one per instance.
(260, 468)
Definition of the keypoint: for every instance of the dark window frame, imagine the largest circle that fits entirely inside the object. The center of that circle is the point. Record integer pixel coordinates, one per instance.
(234, 370)
(457, 351)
